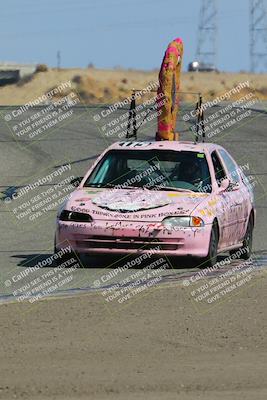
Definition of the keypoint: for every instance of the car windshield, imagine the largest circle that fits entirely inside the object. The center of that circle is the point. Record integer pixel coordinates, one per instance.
(153, 170)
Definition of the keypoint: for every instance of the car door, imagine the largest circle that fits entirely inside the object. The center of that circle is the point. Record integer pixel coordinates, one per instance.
(226, 214)
(240, 195)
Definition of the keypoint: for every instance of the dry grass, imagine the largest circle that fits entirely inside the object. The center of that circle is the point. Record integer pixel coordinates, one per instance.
(108, 86)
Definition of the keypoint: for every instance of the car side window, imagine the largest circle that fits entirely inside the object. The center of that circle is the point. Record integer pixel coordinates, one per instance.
(233, 174)
(218, 168)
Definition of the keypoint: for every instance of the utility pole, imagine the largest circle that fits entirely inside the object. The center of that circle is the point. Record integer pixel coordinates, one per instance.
(207, 33)
(258, 36)
(58, 59)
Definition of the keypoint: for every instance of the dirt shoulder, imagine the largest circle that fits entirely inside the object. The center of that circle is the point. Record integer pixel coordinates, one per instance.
(160, 347)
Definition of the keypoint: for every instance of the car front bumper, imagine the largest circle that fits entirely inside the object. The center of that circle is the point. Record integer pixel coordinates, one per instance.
(103, 237)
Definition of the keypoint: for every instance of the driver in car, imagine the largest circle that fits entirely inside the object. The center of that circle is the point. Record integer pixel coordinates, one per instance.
(186, 171)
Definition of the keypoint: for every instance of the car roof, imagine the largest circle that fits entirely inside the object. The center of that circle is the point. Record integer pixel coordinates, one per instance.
(165, 145)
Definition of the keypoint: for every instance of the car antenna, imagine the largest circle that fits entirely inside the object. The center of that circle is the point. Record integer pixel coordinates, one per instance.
(200, 130)
(132, 118)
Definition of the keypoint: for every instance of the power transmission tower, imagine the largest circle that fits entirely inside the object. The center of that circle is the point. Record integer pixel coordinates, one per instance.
(207, 33)
(258, 36)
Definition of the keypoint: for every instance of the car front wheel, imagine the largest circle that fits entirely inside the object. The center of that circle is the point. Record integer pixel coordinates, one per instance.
(246, 250)
(211, 258)
(65, 258)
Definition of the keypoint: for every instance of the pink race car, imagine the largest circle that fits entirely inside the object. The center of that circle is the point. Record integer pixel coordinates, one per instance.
(172, 198)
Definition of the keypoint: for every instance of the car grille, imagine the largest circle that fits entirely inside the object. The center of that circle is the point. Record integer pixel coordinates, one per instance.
(107, 242)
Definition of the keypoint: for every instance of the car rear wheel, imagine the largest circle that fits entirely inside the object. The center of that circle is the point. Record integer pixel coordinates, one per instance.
(245, 251)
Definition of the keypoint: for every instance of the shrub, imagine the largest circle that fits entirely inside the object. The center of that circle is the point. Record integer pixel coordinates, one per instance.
(212, 93)
(41, 68)
(77, 79)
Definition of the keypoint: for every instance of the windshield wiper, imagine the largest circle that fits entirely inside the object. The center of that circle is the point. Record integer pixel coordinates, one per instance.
(174, 189)
(118, 187)
(112, 186)
(99, 185)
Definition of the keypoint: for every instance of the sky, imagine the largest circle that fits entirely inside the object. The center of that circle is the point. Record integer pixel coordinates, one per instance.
(109, 33)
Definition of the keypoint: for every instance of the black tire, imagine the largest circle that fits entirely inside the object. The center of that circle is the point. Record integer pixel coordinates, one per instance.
(246, 249)
(66, 257)
(211, 258)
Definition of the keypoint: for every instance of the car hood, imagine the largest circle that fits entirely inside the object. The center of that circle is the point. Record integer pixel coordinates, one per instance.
(133, 204)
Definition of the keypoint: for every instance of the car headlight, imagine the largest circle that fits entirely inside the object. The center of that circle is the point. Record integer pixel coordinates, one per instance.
(66, 215)
(183, 222)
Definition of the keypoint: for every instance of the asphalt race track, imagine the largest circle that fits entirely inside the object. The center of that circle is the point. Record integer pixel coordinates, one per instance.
(77, 141)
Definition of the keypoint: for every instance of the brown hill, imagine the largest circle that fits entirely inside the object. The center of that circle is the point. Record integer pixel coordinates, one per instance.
(108, 86)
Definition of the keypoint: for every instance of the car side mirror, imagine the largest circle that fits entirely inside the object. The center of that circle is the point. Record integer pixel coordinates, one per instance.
(234, 186)
(225, 183)
(76, 181)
